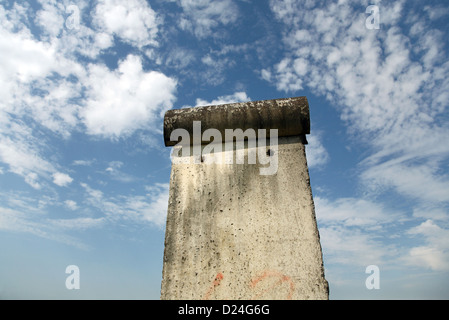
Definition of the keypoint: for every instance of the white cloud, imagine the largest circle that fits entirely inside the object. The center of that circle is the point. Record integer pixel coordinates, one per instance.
(115, 173)
(50, 18)
(317, 155)
(11, 219)
(85, 41)
(72, 205)
(435, 253)
(77, 223)
(232, 98)
(429, 257)
(24, 58)
(61, 179)
(286, 78)
(125, 100)
(114, 165)
(431, 213)
(83, 162)
(151, 207)
(43, 83)
(201, 17)
(215, 68)
(31, 178)
(436, 12)
(21, 152)
(34, 79)
(354, 212)
(132, 21)
(265, 74)
(24, 220)
(357, 232)
(300, 66)
(179, 58)
(409, 179)
(353, 247)
(390, 94)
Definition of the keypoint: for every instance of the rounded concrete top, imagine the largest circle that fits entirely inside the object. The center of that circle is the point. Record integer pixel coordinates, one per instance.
(290, 116)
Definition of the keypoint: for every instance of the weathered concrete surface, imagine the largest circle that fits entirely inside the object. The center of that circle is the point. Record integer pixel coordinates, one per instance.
(232, 233)
(290, 116)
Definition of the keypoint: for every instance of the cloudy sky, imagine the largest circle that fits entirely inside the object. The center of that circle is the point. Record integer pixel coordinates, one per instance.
(84, 172)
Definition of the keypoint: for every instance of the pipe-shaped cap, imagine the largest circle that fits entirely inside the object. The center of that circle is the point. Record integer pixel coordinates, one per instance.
(290, 116)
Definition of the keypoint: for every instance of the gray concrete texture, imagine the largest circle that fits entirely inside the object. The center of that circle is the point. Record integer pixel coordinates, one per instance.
(234, 234)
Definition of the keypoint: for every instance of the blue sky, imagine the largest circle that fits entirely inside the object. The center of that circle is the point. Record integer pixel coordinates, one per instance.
(84, 172)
